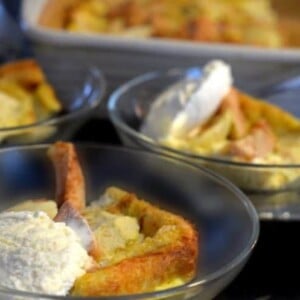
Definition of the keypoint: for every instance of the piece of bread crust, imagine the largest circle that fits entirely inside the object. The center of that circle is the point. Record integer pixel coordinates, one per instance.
(70, 185)
(26, 72)
(146, 271)
(70, 193)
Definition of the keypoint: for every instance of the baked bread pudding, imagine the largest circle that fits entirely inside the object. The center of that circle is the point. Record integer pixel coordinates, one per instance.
(26, 95)
(26, 98)
(116, 245)
(245, 129)
(211, 118)
(249, 22)
(229, 124)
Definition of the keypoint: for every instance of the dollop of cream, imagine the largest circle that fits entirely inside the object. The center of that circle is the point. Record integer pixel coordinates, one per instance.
(186, 105)
(203, 103)
(39, 255)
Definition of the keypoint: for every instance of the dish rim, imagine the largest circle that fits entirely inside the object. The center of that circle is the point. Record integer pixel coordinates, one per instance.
(231, 265)
(112, 107)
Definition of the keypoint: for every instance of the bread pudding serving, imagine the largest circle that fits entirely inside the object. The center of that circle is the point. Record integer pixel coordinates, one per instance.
(116, 245)
(26, 95)
(209, 120)
(27, 98)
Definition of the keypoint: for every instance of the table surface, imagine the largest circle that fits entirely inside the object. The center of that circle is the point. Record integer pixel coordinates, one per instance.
(271, 272)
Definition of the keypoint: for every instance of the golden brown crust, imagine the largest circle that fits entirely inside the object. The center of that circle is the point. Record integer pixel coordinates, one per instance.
(286, 8)
(26, 72)
(70, 194)
(256, 109)
(150, 217)
(169, 250)
(55, 13)
(138, 274)
(25, 82)
(151, 266)
(70, 186)
(290, 28)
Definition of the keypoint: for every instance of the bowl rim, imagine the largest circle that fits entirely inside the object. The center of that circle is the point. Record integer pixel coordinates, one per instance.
(112, 108)
(229, 266)
(96, 74)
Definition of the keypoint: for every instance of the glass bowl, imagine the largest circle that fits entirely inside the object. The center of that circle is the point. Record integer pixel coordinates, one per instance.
(79, 97)
(226, 220)
(272, 188)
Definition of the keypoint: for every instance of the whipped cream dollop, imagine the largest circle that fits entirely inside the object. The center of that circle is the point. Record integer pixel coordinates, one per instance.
(39, 255)
(188, 104)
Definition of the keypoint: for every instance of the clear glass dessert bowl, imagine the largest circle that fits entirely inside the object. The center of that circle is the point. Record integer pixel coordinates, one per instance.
(79, 95)
(273, 188)
(227, 222)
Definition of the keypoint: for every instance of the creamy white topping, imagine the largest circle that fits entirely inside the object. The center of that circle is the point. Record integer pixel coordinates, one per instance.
(214, 86)
(39, 255)
(184, 106)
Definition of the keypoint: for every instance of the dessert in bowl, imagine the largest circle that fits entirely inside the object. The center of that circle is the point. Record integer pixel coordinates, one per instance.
(118, 246)
(198, 115)
(34, 108)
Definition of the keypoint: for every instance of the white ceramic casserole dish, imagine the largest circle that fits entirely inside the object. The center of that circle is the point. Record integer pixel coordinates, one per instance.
(123, 58)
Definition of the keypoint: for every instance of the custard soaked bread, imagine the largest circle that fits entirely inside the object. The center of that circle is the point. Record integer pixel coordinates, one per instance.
(165, 250)
(134, 246)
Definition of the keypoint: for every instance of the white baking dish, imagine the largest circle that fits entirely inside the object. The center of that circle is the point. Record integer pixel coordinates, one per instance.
(123, 58)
